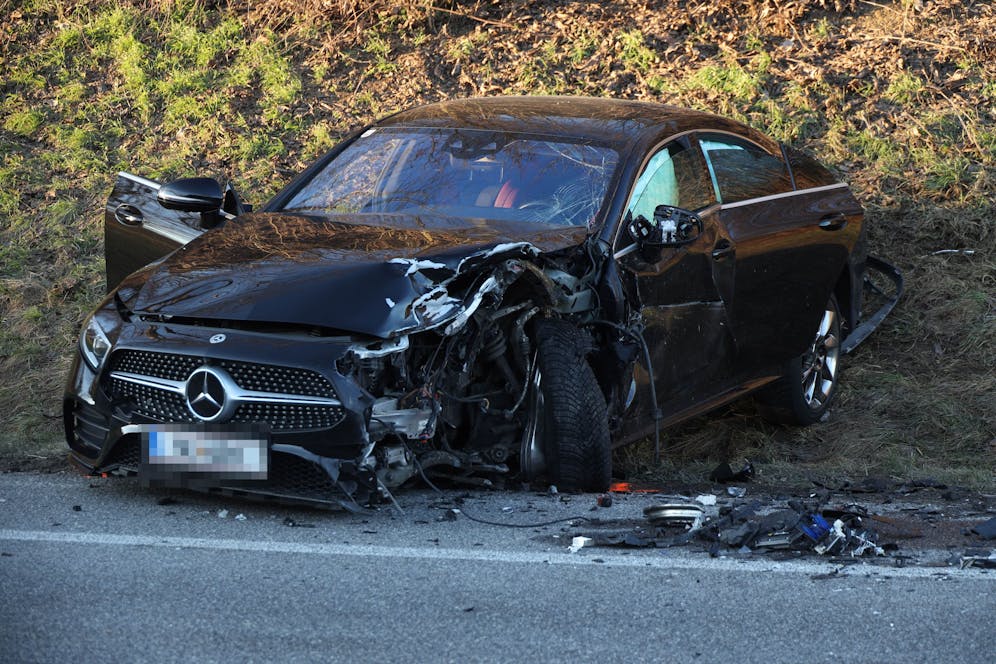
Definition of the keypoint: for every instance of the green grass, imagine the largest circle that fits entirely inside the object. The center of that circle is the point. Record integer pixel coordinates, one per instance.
(633, 51)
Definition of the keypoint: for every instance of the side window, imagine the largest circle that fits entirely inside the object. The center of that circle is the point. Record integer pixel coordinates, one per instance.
(673, 176)
(741, 170)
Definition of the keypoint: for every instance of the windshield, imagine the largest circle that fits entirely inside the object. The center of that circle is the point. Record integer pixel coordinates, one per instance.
(463, 173)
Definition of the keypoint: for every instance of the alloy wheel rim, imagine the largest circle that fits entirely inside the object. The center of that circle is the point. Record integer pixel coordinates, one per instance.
(819, 364)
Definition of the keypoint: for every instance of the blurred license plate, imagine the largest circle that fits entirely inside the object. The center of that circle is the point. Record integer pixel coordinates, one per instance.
(204, 452)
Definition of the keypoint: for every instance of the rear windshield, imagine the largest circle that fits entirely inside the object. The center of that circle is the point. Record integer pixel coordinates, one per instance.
(463, 173)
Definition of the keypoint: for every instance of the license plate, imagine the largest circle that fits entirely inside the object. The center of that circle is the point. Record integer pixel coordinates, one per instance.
(182, 452)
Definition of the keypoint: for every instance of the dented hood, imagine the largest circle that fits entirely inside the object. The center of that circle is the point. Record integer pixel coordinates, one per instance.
(357, 274)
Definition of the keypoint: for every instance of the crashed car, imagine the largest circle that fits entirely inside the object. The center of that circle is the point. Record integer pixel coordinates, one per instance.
(471, 290)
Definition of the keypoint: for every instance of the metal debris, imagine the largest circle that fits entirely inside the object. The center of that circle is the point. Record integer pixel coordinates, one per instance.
(671, 514)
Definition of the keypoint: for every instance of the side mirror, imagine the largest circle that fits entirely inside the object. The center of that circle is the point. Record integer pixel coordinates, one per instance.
(191, 195)
(678, 226)
(671, 227)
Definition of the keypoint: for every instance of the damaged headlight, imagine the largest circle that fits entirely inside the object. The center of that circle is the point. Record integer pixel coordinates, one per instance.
(94, 342)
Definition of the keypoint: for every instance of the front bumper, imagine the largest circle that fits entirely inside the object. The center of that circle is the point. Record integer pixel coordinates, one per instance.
(315, 448)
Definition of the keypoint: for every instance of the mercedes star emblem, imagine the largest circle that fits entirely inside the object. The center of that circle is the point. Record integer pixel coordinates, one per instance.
(206, 395)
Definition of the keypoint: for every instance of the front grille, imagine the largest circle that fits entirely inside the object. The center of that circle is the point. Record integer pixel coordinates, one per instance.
(283, 417)
(283, 380)
(126, 453)
(160, 365)
(292, 475)
(161, 405)
(164, 405)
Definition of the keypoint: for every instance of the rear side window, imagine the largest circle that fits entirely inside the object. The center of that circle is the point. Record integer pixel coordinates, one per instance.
(741, 170)
(807, 171)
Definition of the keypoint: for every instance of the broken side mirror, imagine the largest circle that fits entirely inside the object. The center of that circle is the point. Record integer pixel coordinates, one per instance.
(671, 227)
(194, 195)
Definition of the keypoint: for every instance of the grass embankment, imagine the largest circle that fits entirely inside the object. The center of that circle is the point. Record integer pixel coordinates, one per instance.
(900, 100)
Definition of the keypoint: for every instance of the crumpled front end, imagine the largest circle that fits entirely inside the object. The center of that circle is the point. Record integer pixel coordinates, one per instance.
(345, 417)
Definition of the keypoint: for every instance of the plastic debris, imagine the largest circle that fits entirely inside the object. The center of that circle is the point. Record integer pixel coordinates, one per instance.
(706, 499)
(736, 491)
(985, 562)
(240, 517)
(986, 529)
(724, 473)
(579, 543)
(222, 514)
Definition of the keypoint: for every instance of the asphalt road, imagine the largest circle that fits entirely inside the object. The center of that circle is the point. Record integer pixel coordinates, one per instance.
(124, 578)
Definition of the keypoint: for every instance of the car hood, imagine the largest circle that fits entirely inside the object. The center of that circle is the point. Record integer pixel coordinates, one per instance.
(351, 273)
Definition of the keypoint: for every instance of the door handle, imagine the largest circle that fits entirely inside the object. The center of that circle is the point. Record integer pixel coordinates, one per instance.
(128, 215)
(833, 222)
(723, 250)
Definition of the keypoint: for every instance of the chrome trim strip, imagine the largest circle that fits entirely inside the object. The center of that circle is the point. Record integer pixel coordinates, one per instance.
(151, 184)
(151, 381)
(172, 234)
(785, 194)
(233, 392)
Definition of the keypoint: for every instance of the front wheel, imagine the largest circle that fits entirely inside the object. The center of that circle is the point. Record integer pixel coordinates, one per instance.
(805, 391)
(566, 437)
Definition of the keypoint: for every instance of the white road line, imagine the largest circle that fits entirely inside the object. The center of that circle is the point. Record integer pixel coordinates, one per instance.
(670, 560)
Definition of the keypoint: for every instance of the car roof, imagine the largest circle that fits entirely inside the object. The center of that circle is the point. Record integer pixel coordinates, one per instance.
(599, 119)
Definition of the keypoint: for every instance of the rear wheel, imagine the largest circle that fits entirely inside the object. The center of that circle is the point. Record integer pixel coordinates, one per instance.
(803, 395)
(566, 437)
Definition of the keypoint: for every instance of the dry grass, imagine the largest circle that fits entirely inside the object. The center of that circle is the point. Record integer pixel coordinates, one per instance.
(901, 101)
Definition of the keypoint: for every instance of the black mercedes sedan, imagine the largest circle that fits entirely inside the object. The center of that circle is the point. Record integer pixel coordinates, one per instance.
(471, 290)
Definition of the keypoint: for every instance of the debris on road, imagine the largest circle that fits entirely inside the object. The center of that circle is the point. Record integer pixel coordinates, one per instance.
(747, 527)
(983, 561)
(604, 500)
(240, 517)
(724, 473)
(579, 543)
(670, 514)
(986, 529)
(291, 523)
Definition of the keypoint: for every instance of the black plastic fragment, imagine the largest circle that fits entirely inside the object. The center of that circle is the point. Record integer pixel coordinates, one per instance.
(724, 473)
(986, 529)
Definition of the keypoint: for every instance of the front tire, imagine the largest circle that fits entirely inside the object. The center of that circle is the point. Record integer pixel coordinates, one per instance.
(804, 393)
(567, 431)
